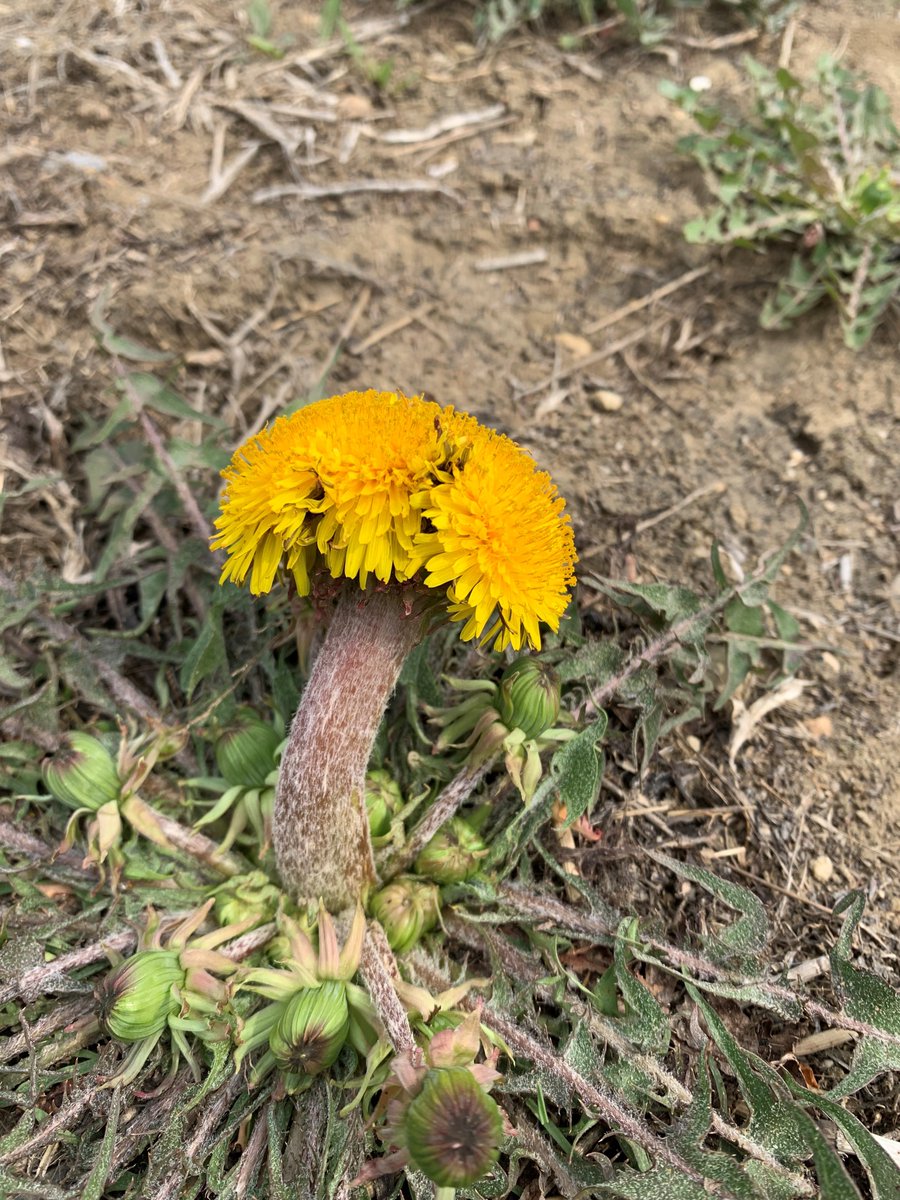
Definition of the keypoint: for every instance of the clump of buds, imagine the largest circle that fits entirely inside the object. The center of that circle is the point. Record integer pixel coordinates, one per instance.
(438, 1115)
(247, 758)
(383, 800)
(517, 716)
(406, 908)
(453, 854)
(171, 982)
(315, 1008)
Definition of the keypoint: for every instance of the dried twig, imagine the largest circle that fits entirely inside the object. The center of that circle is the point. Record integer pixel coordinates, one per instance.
(717, 487)
(526, 258)
(635, 306)
(447, 124)
(392, 327)
(591, 360)
(309, 191)
(256, 116)
(222, 175)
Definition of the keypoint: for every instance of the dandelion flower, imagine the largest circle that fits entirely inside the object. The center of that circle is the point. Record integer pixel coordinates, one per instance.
(412, 503)
(337, 477)
(377, 484)
(501, 544)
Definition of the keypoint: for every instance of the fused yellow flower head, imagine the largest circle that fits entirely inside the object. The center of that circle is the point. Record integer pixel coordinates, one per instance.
(377, 484)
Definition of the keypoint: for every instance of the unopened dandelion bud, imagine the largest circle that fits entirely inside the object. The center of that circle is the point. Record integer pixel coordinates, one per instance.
(137, 998)
(83, 774)
(383, 799)
(453, 854)
(529, 696)
(406, 908)
(247, 896)
(310, 1032)
(245, 753)
(453, 1129)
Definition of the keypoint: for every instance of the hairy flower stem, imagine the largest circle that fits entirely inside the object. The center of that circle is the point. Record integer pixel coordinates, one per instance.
(320, 831)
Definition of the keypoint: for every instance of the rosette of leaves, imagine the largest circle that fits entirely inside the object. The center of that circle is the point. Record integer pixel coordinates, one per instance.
(247, 754)
(171, 983)
(516, 715)
(314, 1007)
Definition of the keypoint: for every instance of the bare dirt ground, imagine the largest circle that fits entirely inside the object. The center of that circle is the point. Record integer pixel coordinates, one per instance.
(474, 230)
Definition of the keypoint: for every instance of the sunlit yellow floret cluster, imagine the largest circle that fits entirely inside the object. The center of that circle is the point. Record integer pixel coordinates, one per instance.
(376, 484)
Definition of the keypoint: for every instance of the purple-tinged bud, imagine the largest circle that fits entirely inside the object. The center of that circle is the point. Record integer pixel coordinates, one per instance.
(137, 998)
(453, 1129)
(83, 774)
(312, 1028)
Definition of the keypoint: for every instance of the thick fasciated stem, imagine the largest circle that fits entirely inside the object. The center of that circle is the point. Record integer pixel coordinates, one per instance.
(320, 829)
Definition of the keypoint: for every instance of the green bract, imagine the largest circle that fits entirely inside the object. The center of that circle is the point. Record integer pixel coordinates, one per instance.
(383, 799)
(245, 753)
(247, 897)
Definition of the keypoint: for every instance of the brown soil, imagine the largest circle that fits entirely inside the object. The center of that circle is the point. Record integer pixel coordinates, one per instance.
(268, 299)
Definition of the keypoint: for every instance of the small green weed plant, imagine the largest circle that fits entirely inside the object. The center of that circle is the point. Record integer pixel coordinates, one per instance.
(814, 168)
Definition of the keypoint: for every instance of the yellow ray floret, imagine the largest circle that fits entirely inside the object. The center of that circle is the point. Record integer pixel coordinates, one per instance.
(500, 542)
(374, 484)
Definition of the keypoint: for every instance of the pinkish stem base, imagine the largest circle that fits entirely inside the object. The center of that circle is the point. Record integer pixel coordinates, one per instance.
(320, 830)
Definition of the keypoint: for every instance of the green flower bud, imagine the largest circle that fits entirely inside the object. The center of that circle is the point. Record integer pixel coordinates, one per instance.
(383, 798)
(453, 1129)
(245, 753)
(406, 908)
(137, 998)
(529, 696)
(83, 775)
(309, 1033)
(453, 854)
(245, 896)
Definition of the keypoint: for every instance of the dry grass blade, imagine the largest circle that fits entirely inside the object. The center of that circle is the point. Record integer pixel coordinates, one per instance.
(386, 187)
(446, 124)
